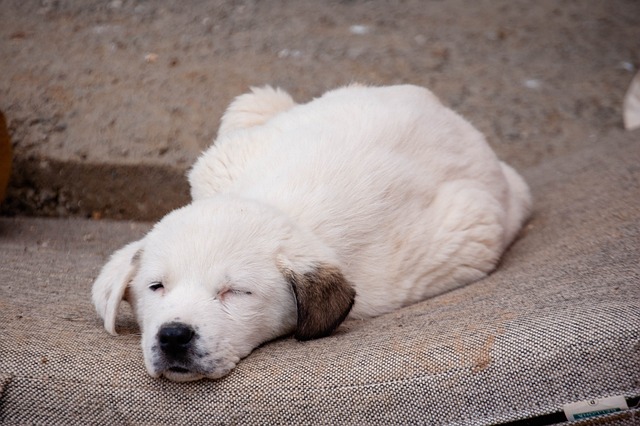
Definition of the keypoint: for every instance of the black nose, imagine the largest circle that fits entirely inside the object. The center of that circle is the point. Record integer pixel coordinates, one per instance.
(175, 339)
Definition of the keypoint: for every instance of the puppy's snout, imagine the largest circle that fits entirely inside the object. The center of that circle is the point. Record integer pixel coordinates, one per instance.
(175, 339)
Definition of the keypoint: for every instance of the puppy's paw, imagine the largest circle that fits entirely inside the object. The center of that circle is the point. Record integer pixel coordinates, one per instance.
(255, 108)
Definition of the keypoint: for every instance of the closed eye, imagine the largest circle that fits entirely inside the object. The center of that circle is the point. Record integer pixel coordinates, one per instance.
(232, 291)
(156, 286)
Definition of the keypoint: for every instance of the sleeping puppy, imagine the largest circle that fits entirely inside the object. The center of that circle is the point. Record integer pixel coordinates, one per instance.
(358, 203)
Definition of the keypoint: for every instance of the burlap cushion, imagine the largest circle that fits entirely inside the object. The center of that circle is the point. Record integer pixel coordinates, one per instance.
(558, 322)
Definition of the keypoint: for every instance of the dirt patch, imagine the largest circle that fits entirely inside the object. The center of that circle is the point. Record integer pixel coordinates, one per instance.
(131, 83)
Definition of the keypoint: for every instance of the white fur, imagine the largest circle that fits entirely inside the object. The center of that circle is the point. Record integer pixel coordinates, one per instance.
(399, 193)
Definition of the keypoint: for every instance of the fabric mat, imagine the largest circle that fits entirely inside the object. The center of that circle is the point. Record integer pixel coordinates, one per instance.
(558, 322)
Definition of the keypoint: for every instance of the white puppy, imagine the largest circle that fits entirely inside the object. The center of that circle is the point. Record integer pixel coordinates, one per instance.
(360, 202)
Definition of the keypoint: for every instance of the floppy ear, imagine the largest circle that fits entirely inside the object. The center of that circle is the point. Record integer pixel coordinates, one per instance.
(110, 286)
(323, 298)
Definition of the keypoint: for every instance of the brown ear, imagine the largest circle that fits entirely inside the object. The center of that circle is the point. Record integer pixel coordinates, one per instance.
(323, 298)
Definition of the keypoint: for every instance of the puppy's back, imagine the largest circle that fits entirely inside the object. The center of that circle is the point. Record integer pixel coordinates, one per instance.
(380, 175)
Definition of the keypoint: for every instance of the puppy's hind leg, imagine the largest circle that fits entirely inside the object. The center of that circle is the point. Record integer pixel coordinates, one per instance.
(519, 204)
(468, 239)
(255, 108)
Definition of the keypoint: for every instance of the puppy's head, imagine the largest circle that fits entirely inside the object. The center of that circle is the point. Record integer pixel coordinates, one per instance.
(217, 278)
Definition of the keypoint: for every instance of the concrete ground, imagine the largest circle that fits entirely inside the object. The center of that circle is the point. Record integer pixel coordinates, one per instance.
(110, 102)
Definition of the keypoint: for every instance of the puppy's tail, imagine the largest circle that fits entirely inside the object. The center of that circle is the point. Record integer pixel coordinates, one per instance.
(255, 108)
(519, 202)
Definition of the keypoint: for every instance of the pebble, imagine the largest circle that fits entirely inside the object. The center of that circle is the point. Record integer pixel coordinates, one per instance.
(532, 84)
(359, 29)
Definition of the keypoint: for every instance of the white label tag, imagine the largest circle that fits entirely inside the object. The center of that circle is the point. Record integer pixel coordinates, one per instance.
(594, 407)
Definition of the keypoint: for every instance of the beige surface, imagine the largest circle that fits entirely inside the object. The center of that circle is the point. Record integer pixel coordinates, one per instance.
(558, 322)
(6, 156)
(89, 104)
